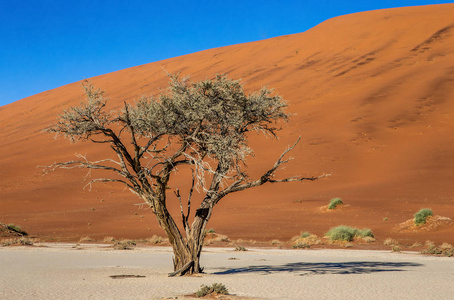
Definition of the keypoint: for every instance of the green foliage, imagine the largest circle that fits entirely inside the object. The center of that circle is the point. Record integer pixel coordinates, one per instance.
(365, 232)
(305, 234)
(334, 203)
(217, 288)
(346, 233)
(16, 228)
(421, 216)
(211, 230)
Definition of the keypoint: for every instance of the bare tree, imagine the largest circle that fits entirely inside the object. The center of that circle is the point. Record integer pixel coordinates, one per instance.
(199, 125)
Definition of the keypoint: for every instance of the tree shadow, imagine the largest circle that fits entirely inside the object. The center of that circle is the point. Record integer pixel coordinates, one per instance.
(341, 268)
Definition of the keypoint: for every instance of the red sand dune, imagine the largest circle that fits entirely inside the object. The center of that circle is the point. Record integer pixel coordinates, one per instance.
(372, 95)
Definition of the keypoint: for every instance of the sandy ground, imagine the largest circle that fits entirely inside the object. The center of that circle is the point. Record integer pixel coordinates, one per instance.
(59, 271)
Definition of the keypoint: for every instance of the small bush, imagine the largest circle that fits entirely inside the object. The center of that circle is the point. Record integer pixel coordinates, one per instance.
(444, 249)
(300, 245)
(211, 230)
(124, 245)
(365, 232)
(240, 248)
(305, 234)
(421, 216)
(26, 241)
(334, 203)
(346, 233)
(395, 248)
(390, 242)
(217, 288)
(16, 228)
(108, 239)
(155, 240)
(342, 233)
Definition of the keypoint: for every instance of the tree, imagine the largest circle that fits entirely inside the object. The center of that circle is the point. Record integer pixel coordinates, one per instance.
(202, 125)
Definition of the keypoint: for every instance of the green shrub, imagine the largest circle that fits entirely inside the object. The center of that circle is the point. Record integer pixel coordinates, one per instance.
(346, 233)
(365, 232)
(211, 230)
(16, 228)
(305, 234)
(421, 216)
(217, 288)
(335, 202)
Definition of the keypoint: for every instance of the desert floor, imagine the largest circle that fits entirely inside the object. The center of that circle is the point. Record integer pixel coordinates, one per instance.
(64, 271)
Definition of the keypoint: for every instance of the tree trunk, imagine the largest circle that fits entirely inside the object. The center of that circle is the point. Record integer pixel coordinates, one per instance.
(186, 251)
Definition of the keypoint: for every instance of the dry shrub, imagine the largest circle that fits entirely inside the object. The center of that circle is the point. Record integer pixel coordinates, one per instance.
(368, 239)
(23, 240)
(305, 240)
(276, 242)
(390, 242)
(156, 240)
(124, 245)
(446, 246)
(108, 239)
(444, 249)
(85, 239)
(396, 248)
(215, 288)
(416, 245)
(240, 248)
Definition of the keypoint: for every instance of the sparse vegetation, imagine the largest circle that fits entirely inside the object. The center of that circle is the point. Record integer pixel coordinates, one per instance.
(396, 248)
(211, 230)
(445, 249)
(155, 240)
(85, 239)
(301, 245)
(16, 228)
(346, 233)
(240, 248)
(421, 216)
(305, 234)
(124, 245)
(108, 239)
(334, 203)
(23, 240)
(390, 242)
(217, 288)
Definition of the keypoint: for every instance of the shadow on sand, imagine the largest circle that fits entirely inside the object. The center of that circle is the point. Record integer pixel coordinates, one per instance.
(342, 268)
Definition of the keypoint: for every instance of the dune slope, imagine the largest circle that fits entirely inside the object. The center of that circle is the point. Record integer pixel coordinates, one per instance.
(372, 98)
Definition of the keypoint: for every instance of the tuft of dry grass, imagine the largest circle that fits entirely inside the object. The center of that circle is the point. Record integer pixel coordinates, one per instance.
(108, 239)
(390, 242)
(156, 240)
(124, 245)
(396, 248)
(85, 239)
(305, 240)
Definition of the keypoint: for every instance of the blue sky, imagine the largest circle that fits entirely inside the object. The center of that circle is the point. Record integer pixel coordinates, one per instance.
(45, 44)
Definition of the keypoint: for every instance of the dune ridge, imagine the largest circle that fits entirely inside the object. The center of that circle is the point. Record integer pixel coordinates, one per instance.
(372, 98)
